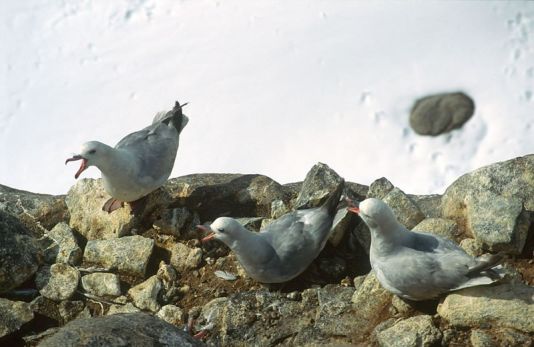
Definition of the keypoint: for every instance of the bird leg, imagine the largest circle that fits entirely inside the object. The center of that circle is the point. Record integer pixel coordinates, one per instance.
(112, 204)
(138, 206)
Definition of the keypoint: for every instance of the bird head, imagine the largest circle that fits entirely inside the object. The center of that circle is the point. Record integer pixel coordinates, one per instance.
(374, 212)
(91, 153)
(224, 229)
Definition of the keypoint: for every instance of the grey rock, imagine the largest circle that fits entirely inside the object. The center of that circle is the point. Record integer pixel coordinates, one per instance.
(509, 180)
(430, 205)
(126, 329)
(471, 247)
(405, 209)
(320, 181)
(506, 305)
(441, 113)
(443, 227)
(128, 255)
(46, 307)
(380, 188)
(251, 223)
(402, 307)
(363, 235)
(173, 221)
(38, 212)
(356, 191)
(19, 253)
(172, 314)
(184, 258)
(480, 338)
(505, 230)
(126, 308)
(13, 314)
(145, 295)
(415, 331)
(215, 195)
(57, 282)
(343, 222)
(102, 284)
(70, 310)
(279, 208)
(511, 337)
(68, 250)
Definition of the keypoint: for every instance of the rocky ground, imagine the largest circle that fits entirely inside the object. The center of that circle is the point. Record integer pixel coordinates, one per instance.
(73, 275)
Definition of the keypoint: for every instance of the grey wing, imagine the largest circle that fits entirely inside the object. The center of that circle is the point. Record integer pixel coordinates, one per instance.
(154, 147)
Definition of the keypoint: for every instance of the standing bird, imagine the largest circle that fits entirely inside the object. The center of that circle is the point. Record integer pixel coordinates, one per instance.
(140, 163)
(286, 247)
(420, 266)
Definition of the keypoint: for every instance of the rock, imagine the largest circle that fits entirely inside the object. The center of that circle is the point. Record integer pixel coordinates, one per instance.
(279, 208)
(68, 250)
(126, 329)
(184, 258)
(251, 223)
(85, 200)
(402, 307)
(471, 247)
(13, 314)
(46, 307)
(511, 337)
(128, 255)
(415, 331)
(57, 282)
(127, 308)
(320, 182)
(37, 212)
(441, 113)
(430, 205)
(363, 235)
(333, 268)
(145, 295)
(404, 208)
(215, 195)
(370, 312)
(19, 253)
(480, 338)
(505, 230)
(356, 191)
(174, 221)
(507, 182)
(380, 188)
(344, 221)
(70, 310)
(102, 284)
(505, 305)
(446, 228)
(171, 314)
(335, 314)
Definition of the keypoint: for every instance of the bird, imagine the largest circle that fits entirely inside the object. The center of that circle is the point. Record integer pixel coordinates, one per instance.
(140, 163)
(283, 249)
(420, 266)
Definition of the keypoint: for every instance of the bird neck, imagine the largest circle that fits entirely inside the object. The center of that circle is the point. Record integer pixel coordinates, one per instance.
(117, 164)
(250, 247)
(386, 237)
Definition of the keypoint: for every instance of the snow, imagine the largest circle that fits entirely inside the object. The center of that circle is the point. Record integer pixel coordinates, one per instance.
(273, 86)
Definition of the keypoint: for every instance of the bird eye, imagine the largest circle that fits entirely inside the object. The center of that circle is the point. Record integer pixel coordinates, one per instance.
(93, 151)
(221, 230)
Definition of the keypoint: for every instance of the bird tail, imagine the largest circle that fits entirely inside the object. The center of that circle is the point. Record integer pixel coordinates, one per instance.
(333, 200)
(485, 263)
(485, 277)
(174, 117)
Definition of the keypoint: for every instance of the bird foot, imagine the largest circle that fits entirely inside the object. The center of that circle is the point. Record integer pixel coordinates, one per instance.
(112, 204)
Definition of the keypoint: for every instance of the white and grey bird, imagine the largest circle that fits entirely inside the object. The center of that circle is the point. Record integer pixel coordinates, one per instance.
(420, 266)
(286, 247)
(140, 163)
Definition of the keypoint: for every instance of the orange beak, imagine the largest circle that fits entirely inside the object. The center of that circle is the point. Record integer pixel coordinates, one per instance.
(205, 229)
(354, 209)
(83, 166)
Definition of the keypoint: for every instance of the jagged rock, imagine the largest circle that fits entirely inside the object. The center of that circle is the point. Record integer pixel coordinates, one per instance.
(126, 308)
(37, 211)
(480, 338)
(362, 233)
(511, 337)
(127, 329)
(471, 247)
(57, 282)
(333, 268)
(505, 305)
(215, 195)
(441, 113)
(507, 182)
(372, 302)
(46, 307)
(171, 314)
(184, 258)
(415, 331)
(430, 205)
(446, 228)
(405, 209)
(102, 284)
(343, 222)
(505, 231)
(356, 191)
(19, 254)
(68, 250)
(174, 221)
(320, 181)
(13, 314)
(145, 295)
(279, 208)
(70, 310)
(85, 200)
(380, 188)
(251, 223)
(128, 255)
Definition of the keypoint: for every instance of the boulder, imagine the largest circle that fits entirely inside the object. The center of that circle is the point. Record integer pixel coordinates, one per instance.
(184, 258)
(13, 314)
(175, 221)
(19, 253)
(443, 227)
(145, 295)
(172, 314)
(126, 329)
(128, 255)
(380, 188)
(319, 183)
(495, 192)
(441, 113)
(407, 212)
(67, 250)
(418, 331)
(57, 282)
(126, 308)
(102, 284)
(506, 305)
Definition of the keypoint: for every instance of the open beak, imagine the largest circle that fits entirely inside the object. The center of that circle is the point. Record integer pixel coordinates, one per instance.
(83, 166)
(354, 209)
(206, 229)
